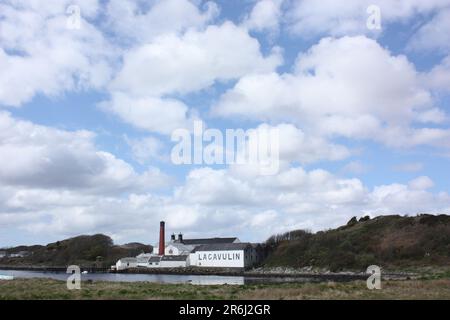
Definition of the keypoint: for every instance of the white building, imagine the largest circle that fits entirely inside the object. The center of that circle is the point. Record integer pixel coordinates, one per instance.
(148, 260)
(172, 261)
(182, 246)
(204, 252)
(178, 249)
(154, 262)
(126, 263)
(228, 255)
(142, 259)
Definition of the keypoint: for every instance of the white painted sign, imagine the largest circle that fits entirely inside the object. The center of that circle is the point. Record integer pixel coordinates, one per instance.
(223, 259)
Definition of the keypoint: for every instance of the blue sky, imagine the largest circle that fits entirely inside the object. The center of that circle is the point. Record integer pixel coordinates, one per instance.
(86, 115)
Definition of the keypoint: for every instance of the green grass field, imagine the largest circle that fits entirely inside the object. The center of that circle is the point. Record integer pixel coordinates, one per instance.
(53, 289)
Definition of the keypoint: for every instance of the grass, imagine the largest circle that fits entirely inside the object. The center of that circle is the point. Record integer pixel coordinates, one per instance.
(436, 288)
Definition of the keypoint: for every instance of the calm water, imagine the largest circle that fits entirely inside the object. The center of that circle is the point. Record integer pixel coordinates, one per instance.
(158, 278)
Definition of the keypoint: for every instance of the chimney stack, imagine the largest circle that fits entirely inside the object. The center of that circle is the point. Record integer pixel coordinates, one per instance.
(172, 237)
(180, 237)
(162, 245)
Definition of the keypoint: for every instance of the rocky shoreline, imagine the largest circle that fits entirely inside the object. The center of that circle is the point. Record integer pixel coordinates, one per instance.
(324, 273)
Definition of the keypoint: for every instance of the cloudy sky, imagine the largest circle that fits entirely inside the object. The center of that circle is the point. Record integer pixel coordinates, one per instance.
(86, 114)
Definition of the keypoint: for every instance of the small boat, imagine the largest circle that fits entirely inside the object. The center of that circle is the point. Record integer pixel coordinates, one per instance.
(84, 272)
(3, 277)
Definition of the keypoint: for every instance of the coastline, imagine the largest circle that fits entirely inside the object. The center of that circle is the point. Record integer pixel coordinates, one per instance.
(313, 275)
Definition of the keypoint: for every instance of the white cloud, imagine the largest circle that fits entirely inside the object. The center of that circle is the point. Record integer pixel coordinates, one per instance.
(295, 145)
(147, 149)
(265, 16)
(434, 115)
(152, 114)
(347, 76)
(400, 198)
(39, 157)
(264, 219)
(58, 182)
(194, 61)
(433, 35)
(179, 64)
(355, 167)
(141, 21)
(438, 78)
(350, 87)
(219, 203)
(40, 55)
(421, 183)
(181, 216)
(309, 18)
(215, 187)
(316, 199)
(89, 8)
(285, 190)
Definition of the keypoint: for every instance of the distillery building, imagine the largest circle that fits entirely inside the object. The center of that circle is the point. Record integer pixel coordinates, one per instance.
(202, 253)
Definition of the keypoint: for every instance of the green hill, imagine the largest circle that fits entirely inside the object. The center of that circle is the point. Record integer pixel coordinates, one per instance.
(96, 250)
(387, 241)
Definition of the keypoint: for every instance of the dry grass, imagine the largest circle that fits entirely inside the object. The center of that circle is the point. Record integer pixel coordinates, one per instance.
(53, 289)
(412, 289)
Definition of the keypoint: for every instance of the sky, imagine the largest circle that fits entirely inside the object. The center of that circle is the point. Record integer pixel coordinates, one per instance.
(92, 91)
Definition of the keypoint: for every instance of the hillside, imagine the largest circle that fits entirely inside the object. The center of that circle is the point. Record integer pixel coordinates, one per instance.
(388, 241)
(97, 250)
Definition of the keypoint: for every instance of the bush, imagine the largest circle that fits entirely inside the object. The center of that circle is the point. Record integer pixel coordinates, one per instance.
(352, 222)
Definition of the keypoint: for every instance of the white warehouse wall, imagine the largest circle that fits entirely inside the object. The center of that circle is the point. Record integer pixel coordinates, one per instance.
(173, 264)
(122, 265)
(219, 258)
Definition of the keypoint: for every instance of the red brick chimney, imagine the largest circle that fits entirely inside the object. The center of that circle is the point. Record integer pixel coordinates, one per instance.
(162, 245)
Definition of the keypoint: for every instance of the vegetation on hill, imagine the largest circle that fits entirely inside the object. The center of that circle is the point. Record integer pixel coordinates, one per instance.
(97, 250)
(387, 241)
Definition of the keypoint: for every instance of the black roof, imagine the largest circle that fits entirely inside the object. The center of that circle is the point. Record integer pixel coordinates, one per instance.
(208, 241)
(174, 258)
(222, 246)
(154, 259)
